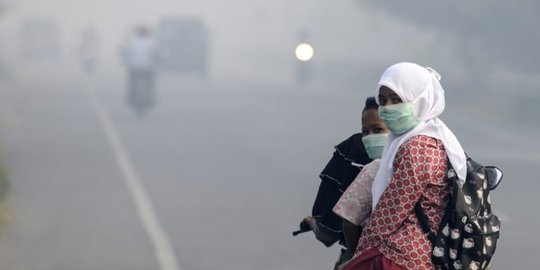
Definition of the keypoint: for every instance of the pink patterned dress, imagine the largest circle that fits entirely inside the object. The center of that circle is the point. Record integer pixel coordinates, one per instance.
(355, 203)
(420, 168)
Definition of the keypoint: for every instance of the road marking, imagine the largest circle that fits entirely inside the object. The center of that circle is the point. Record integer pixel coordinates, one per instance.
(162, 244)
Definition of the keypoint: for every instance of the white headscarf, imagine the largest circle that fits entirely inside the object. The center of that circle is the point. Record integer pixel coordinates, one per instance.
(420, 86)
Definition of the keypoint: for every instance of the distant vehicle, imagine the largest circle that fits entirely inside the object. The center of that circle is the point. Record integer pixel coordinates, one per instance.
(40, 40)
(182, 45)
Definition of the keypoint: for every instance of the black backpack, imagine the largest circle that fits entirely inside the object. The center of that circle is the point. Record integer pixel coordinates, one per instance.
(468, 233)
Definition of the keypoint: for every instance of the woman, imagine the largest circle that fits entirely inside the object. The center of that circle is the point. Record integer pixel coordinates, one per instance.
(354, 206)
(413, 170)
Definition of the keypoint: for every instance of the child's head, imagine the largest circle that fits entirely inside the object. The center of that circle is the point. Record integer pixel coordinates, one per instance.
(371, 122)
(374, 131)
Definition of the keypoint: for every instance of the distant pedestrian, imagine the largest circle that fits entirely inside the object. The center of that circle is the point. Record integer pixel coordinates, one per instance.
(87, 48)
(140, 58)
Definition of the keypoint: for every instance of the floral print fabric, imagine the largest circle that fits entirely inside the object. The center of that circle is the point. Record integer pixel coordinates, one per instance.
(419, 174)
(355, 203)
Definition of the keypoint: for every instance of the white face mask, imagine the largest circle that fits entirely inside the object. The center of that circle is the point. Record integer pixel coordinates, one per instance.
(399, 118)
(374, 144)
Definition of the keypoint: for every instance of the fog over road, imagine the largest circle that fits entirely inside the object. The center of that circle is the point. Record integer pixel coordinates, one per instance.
(222, 168)
(229, 168)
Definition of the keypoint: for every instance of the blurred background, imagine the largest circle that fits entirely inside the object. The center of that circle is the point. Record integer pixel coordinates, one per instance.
(190, 134)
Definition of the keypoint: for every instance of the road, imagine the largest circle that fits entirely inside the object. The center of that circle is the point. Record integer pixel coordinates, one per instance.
(216, 176)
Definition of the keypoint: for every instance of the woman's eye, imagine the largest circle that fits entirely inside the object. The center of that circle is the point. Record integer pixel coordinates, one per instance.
(396, 100)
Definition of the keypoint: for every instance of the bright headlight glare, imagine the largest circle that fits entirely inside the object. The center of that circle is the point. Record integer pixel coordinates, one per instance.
(304, 52)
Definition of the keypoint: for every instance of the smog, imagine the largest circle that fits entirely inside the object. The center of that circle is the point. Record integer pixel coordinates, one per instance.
(206, 152)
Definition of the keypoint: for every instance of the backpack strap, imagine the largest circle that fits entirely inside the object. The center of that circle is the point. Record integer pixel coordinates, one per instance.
(422, 218)
(421, 215)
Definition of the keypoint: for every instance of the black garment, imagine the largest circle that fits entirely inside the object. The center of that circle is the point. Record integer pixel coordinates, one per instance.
(349, 156)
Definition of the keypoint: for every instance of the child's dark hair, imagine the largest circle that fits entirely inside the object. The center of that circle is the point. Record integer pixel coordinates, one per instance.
(371, 103)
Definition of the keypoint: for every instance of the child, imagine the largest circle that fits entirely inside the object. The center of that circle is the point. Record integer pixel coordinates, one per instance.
(347, 161)
(355, 204)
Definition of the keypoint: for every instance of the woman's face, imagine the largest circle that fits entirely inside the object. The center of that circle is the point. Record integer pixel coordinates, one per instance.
(372, 123)
(388, 97)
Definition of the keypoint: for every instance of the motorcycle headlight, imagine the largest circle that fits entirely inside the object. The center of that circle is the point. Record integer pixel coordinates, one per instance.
(304, 52)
